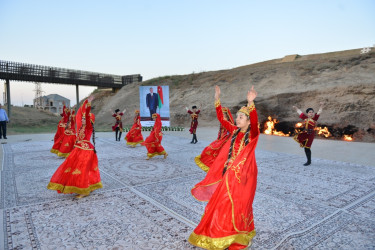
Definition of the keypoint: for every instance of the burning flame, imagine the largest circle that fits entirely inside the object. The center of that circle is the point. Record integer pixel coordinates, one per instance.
(270, 125)
(270, 128)
(323, 131)
(348, 137)
(299, 125)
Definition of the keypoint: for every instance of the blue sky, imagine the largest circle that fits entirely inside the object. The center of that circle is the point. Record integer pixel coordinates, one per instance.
(157, 38)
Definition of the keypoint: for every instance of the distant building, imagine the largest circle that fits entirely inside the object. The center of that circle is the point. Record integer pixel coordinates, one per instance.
(52, 103)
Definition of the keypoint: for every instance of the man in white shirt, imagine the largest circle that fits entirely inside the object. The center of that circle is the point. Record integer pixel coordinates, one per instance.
(3, 123)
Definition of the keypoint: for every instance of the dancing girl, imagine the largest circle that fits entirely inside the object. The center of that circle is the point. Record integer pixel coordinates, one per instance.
(153, 141)
(230, 184)
(64, 145)
(305, 138)
(62, 123)
(69, 139)
(134, 136)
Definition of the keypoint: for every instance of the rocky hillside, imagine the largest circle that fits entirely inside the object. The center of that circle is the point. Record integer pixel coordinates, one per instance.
(344, 80)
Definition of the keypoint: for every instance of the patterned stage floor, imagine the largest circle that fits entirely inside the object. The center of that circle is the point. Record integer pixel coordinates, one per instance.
(147, 204)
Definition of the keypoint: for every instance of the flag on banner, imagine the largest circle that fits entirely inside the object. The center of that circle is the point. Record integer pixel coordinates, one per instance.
(160, 93)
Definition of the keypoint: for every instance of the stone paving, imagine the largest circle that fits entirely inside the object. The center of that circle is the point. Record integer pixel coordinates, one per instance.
(147, 204)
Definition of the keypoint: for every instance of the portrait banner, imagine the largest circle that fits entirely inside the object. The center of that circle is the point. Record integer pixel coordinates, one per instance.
(154, 99)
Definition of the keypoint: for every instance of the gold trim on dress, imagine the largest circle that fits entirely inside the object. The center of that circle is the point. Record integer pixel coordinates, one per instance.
(73, 189)
(251, 106)
(200, 164)
(55, 151)
(150, 155)
(133, 143)
(231, 201)
(217, 103)
(207, 242)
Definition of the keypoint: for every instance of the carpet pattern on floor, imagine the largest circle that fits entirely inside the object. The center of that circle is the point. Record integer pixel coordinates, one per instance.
(146, 204)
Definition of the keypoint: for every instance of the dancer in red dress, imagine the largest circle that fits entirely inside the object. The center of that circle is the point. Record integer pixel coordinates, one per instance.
(62, 123)
(118, 125)
(134, 136)
(194, 122)
(79, 173)
(69, 138)
(230, 184)
(209, 154)
(305, 138)
(153, 141)
(61, 131)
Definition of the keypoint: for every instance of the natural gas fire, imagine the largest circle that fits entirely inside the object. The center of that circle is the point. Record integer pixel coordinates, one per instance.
(299, 125)
(270, 128)
(323, 131)
(348, 137)
(270, 125)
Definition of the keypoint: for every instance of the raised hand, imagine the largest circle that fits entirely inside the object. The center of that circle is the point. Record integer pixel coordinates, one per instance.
(320, 108)
(90, 98)
(217, 93)
(251, 94)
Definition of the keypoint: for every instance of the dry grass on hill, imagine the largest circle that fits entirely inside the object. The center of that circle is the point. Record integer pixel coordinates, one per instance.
(30, 120)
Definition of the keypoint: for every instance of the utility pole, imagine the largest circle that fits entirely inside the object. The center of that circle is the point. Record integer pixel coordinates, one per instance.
(38, 95)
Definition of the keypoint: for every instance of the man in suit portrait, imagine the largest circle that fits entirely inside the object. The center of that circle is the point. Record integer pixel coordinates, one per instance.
(152, 101)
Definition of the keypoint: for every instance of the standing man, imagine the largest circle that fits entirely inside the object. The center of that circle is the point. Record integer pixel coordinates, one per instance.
(152, 101)
(3, 123)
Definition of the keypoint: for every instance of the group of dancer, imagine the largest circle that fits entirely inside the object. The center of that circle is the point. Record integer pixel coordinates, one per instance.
(134, 136)
(79, 173)
(229, 185)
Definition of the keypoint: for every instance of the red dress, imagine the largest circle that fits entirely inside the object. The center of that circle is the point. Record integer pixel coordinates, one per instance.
(209, 154)
(134, 136)
(227, 221)
(118, 123)
(60, 133)
(79, 173)
(69, 138)
(62, 124)
(194, 121)
(306, 137)
(153, 141)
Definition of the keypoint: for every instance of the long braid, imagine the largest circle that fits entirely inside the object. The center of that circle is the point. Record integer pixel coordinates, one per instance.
(247, 135)
(232, 145)
(234, 136)
(93, 136)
